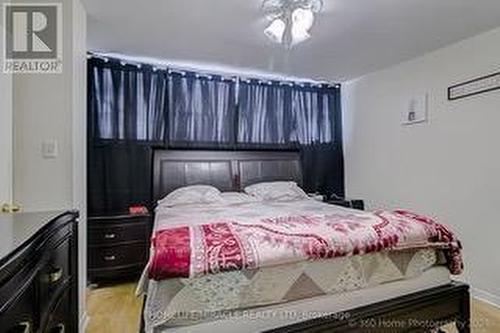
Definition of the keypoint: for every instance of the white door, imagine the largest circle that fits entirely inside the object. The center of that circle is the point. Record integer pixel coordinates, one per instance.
(5, 131)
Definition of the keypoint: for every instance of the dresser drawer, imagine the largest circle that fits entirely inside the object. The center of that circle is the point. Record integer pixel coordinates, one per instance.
(59, 319)
(55, 273)
(21, 315)
(12, 288)
(118, 256)
(121, 233)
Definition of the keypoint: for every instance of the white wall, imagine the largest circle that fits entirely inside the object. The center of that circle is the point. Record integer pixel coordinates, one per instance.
(449, 167)
(43, 111)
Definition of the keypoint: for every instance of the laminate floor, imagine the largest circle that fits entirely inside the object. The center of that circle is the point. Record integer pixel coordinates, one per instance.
(114, 309)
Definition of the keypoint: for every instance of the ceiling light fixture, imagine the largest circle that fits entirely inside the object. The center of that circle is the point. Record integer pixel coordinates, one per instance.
(290, 20)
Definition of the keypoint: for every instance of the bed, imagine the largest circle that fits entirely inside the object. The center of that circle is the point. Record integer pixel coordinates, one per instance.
(374, 291)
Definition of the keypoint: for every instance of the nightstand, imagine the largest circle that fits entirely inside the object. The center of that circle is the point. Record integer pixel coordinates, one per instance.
(118, 246)
(345, 202)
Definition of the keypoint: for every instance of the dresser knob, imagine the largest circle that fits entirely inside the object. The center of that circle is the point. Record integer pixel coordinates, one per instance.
(109, 258)
(110, 236)
(59, 328)
(23, 327)
(56, 275)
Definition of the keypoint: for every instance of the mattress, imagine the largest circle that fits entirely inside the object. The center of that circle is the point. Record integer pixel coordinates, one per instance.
(189, 301)
(274, 316)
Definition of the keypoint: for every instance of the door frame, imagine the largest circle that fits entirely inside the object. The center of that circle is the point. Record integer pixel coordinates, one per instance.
(6, 131)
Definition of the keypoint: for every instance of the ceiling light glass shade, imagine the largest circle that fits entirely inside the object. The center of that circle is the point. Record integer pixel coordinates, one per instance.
(276, 30)
(290, 20)
(302, 21)
(275, 8)
(303, 18)
(299, 36)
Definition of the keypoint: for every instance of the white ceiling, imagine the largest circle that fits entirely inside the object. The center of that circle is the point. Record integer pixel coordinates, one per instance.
(350, 37)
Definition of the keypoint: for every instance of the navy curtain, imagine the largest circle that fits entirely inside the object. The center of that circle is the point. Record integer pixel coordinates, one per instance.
(201, 110)
(263, 113)
(281, 114)
(318, 118)
(312, 112)
(127, 116)
(287, 115)
(126, 103)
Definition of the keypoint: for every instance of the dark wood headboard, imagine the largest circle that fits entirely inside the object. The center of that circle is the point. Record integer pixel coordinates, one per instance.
(226, 170)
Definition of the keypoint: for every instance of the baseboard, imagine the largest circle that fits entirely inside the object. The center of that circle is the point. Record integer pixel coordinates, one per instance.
(84, 321)
(485, 297)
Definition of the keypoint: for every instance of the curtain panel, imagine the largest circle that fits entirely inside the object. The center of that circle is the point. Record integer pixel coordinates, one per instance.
(126, 103)
(312, 112)
(201, 110)
(263, 113)
(307, 117)
(279, 113)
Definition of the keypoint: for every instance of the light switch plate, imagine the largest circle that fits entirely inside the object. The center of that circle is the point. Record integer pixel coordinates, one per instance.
(49, 149)
(415, 111)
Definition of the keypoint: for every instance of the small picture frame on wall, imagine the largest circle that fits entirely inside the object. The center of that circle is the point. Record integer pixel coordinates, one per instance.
(474, 87)
(415, 111)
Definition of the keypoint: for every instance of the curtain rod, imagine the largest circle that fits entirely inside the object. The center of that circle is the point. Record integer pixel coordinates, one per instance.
(204, 73)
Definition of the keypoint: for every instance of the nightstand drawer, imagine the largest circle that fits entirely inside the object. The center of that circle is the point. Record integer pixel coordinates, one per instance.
(118, 256)
(115, 234)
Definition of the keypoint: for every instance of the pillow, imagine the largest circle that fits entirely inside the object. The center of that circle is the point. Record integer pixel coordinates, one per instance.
(234, 198)
(277, 191)
(195, 194)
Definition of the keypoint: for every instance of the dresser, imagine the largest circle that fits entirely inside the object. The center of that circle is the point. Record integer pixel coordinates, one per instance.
(39, 272)
(118, 246)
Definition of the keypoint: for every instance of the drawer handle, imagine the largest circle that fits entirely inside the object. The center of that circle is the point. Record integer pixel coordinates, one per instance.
(56, 275)
(59, 328)
(109, 258)
(110, 236)
(23, 327)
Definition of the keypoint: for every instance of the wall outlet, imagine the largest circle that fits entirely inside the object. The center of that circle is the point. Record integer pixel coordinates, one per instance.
(49, 149)
(415, 111)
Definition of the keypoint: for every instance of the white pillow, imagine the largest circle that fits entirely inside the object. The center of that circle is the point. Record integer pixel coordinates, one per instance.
(195, 194)
(234, 198)
(276, 191)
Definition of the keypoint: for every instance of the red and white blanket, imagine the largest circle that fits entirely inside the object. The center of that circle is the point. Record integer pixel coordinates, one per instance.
(225, 245)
